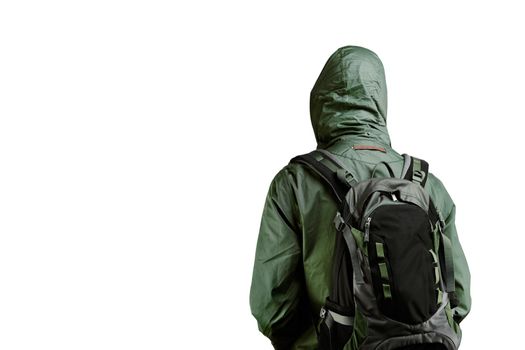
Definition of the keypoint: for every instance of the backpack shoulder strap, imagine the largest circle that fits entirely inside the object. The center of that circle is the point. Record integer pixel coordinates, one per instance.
(330, 170)
(415, 170)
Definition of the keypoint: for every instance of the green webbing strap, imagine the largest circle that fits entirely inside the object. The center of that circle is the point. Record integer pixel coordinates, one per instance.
(387, 291)
(417, 171)
(383, 270)
(380, 250)
(342, 227)
(416, 166)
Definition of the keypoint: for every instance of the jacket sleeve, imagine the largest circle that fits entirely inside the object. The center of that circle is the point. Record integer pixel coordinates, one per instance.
(277, 292)
(460, 300)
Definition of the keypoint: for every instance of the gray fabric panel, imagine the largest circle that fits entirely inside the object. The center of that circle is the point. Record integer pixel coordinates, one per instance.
(342, 319)
(431, 337)
(360, 194)
(328, 320)
(406, 165)
(352, 248)
(387, 334)
(377, 199)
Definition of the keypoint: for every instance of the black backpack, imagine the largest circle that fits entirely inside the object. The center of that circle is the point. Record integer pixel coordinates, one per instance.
(392, 275)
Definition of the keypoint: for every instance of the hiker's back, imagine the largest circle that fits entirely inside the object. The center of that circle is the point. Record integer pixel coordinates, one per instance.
(381, 284)
(303, 272)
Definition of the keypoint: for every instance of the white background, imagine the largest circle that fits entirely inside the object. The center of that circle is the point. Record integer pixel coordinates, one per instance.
(138, 140)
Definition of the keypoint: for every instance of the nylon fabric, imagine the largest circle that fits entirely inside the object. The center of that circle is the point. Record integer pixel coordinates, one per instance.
(293, 262)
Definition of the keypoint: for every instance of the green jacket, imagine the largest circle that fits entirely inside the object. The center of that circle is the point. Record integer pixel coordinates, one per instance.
(292, 269)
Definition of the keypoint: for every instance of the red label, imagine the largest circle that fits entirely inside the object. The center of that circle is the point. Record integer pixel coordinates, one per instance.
(369, 148)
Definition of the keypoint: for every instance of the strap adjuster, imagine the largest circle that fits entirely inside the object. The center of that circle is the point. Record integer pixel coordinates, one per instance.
(339, 222)
(322, 313)
(346, 177)
(440, 222)
(418, 176)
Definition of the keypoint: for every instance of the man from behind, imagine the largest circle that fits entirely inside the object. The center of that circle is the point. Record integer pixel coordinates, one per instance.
(293, 276)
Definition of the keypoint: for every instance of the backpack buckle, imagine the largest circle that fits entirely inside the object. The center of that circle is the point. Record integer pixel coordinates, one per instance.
(322, 314)
(418, 176)
(339, 222)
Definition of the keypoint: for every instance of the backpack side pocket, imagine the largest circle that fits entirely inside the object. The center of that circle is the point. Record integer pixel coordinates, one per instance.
(336, 326)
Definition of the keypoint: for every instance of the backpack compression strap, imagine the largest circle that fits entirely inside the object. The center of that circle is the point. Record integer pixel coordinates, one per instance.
(330, 170)
(446, 260)
(416, 170)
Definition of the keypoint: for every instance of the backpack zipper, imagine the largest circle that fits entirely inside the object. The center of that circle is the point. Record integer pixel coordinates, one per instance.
(369, 219)
(367, 229)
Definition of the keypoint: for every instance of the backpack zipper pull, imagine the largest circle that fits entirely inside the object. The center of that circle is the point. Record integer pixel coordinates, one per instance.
(367, 229)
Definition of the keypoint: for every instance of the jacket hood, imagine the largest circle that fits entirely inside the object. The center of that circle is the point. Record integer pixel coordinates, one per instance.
(349, 99)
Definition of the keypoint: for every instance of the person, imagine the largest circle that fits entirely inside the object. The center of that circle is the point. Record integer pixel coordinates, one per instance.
(292, 269)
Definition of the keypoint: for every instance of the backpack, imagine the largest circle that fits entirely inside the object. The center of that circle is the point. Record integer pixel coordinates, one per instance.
(392, 272)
